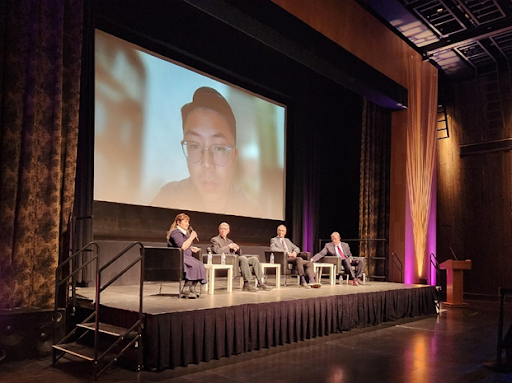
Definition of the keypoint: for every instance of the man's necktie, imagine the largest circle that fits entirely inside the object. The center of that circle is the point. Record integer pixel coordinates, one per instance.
(284, 245)
(341, 252)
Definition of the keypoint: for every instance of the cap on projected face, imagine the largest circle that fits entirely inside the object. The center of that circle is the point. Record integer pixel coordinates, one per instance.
(209, 139)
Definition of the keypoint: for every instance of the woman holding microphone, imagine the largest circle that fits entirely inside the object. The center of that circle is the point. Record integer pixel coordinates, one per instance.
(180, 236)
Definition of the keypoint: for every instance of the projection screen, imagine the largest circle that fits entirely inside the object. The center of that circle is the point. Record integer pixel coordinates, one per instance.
(169, 136)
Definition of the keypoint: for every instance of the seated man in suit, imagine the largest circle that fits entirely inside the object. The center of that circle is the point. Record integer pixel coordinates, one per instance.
(280, 243)
(248, 265)
(341, 249)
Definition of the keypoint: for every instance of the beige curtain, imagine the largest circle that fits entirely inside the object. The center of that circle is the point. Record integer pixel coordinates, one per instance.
(421, 151)
(40, 59)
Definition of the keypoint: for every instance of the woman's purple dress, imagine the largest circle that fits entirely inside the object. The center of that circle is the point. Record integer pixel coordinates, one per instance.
(194, 269)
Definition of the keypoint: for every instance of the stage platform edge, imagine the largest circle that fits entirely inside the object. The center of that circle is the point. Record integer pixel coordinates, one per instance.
(179, 338)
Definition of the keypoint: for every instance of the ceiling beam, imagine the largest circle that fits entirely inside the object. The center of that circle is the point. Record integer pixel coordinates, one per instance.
(481, 32)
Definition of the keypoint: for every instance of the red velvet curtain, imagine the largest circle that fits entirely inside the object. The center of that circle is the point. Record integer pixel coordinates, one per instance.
(40, 60)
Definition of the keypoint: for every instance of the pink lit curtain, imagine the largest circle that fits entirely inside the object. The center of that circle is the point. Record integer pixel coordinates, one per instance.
(40, 60)
(421, 152)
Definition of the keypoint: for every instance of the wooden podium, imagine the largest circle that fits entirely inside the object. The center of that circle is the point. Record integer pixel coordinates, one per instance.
(454, 281)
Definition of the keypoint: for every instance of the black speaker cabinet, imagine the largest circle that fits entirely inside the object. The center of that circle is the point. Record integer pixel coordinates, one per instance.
(28, 333)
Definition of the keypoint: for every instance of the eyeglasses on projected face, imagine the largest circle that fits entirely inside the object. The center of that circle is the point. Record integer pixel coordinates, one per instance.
(194, 152)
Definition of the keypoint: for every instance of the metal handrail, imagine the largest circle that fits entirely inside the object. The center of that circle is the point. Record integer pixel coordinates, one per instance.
(72, 274)
(434, 263)
(119, 274)
(70, 258)
(94, 258)
(399, 265)
(100, 288)
(58, 283)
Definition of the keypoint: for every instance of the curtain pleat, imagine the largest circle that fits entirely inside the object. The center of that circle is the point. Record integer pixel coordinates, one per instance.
(182, 338)
(40, 64)
(374, 185)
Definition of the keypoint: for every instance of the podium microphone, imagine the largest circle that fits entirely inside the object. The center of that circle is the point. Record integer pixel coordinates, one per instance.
(191, 230)
(454, 256)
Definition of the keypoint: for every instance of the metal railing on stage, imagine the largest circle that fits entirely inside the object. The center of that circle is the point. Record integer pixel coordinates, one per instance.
(398, 263)
(434, 262)
(121, 338)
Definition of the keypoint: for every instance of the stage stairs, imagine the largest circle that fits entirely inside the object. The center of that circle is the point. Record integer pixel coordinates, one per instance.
(92, 340)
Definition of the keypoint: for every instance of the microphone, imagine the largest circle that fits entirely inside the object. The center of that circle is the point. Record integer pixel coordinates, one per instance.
(191, 229)
(454, 256)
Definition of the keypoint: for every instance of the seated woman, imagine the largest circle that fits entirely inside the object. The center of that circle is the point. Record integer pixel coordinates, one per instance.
(179, 236)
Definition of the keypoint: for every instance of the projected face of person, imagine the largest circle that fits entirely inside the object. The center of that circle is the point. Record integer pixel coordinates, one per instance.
(335, 238)
(206, 127)
(281, 231)
(224, 230)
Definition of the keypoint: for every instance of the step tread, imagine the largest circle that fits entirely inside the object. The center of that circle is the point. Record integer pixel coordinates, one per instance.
(76, 349)
(108, 329)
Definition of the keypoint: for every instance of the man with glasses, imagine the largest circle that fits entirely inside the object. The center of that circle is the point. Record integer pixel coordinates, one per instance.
(248, 265)
(209, 145)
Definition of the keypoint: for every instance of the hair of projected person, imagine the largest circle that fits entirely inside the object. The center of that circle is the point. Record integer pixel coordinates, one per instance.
(209, 98)
(209, 145)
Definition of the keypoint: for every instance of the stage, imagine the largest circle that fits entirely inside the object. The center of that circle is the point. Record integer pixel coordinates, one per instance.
(183, 331)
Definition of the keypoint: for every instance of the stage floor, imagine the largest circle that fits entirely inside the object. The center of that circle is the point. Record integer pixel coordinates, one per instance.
(127, 297)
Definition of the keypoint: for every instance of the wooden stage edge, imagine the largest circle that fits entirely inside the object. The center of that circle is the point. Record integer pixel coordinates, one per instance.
(166, 301)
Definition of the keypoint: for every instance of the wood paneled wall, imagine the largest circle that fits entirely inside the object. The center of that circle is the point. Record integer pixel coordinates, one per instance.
(475, 190)
(348, 24)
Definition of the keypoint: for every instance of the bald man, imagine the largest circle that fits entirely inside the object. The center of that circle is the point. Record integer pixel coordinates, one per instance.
(342, 250)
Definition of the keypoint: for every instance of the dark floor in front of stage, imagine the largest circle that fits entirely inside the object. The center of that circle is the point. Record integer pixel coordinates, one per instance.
(450, 347)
